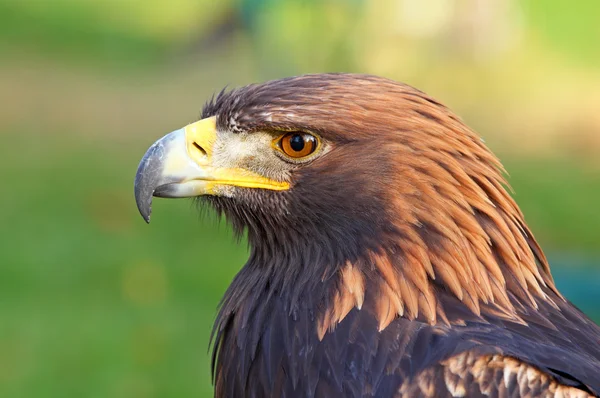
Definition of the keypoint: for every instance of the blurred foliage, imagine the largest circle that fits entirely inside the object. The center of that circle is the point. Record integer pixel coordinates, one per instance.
(94, 303)
(569, 28)
(130, 30)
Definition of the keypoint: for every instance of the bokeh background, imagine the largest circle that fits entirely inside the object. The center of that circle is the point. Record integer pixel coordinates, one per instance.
(95, 303)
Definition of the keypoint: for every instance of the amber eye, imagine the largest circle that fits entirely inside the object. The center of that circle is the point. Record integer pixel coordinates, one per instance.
(298, 145)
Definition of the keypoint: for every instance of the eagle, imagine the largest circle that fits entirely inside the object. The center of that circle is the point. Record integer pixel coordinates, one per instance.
(387, 257)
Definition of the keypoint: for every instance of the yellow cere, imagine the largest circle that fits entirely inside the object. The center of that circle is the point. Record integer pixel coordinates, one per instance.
(204, 134)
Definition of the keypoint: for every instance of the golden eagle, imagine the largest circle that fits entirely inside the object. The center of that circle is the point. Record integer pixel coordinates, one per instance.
(387, 258)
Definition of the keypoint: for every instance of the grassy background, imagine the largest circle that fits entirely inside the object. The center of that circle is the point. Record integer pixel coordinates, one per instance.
(95, 303)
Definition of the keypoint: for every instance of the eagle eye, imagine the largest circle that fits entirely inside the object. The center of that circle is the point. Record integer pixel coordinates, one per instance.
(297, 144)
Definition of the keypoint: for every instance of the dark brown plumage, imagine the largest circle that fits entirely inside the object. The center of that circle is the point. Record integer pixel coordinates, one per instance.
(396, 264)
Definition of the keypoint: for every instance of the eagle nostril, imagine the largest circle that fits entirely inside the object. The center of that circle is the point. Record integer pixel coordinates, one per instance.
(198, 147)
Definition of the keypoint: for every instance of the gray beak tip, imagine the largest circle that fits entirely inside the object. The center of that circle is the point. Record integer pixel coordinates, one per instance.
(143, 200)
(147, 174)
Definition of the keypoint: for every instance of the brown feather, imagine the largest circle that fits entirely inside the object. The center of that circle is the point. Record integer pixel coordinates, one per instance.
(452, 180)
(469, 374)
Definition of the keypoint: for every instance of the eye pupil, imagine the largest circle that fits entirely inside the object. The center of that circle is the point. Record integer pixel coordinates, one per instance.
(297, 142)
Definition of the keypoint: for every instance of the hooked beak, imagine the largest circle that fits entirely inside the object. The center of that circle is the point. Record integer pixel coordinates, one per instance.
(181, 165)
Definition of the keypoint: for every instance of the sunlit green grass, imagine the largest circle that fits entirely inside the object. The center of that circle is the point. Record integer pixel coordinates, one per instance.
(94, 302)
(560, 201)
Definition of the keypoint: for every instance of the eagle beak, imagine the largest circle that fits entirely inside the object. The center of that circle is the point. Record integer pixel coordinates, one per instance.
(181, 165)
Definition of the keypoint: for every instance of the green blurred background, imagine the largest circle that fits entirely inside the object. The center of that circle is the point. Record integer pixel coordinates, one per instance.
(95, 303)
